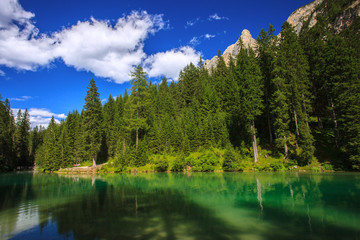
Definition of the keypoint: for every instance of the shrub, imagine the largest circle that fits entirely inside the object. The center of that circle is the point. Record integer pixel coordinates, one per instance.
(230, 162)
(327, 166)
(178, 164)
(205, 161)
(161, 163)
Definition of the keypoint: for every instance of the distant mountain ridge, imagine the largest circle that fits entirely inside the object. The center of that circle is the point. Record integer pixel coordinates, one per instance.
(303, 17)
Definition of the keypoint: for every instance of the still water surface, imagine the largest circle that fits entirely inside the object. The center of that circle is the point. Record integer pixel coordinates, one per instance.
(180, 206)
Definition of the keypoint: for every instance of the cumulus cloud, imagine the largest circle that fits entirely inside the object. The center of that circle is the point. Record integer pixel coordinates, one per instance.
(21, 45)
(2, 73)
(170, 63)
(20, 99)
(216, 17)
(40, 116)
(105, 49)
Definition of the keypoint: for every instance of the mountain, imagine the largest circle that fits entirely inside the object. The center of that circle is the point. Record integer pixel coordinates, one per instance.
(232, 50)
(338, 14)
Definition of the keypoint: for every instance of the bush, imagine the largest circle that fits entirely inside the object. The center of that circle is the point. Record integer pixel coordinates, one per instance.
(270, 164)
(230, 162)
(327, 166)
(161, 163)
(205, 161)
(178, 164)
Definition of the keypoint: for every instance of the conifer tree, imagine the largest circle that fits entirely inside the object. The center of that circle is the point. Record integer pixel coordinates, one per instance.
(140, 100)
(292, 94)
(266, 46)
(48, 155)
(92, 121)
(22, 138)
(7, 130)
(251, 92)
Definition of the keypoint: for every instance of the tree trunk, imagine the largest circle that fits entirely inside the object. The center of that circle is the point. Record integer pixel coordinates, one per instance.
(93, 159)
(137, 129)
(335, 122)
(269, 126)
(296, 123)
(258, 186)
(124, 146)
(320, 124)
(306, 120)
(286, 149)
(256, 155)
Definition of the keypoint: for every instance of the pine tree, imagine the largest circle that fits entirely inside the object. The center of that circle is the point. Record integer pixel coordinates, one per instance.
(343, 80)
(251, 92)
(7, 129)
(140, 100)
(92, 121)
(22, 138)
(292, 95)
(48, 156)
(266, 45)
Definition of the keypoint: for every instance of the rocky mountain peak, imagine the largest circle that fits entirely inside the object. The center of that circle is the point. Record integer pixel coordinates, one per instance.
(233, 49)
(306, 14)
(297, 18)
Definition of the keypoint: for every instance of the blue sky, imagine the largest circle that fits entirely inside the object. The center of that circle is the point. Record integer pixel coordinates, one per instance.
(49, 50)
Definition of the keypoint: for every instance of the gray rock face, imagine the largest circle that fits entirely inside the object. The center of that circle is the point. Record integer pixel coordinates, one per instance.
(233, 49)
(310, 11)
(296, 19)
(302, 14)
(345, 19)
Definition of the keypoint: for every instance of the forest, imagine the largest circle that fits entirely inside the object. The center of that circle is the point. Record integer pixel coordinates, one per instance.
(292, 101)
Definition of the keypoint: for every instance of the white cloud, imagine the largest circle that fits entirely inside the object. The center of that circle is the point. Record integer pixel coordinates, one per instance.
(21, 99)
(10, 10)
(40, 116)
(2, 73)
(216, 17)
(209, 36)
(21, 45)
(192, 22)
(105, 49)
(197, 40)
(170, 63)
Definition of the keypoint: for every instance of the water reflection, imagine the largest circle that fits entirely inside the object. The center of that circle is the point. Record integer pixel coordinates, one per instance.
(178, 206)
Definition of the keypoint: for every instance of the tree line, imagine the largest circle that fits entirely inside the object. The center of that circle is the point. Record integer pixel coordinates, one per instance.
(295, 98)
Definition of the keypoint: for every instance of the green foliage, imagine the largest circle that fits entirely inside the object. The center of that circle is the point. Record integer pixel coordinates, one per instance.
(92, 121)
(270, 164)
(231, 160)
(204, 161)
(178, 164)
(160, 162)
(289, 101)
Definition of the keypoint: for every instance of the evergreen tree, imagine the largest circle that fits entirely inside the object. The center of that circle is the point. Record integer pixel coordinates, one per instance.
(22, 138)
(266, 46)
(140, 101)
(92, 121)
(292, 94)
(251, 93)
(7, 129)
(48, 155)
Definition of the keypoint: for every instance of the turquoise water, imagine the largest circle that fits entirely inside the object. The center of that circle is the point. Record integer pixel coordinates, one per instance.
(180, 206)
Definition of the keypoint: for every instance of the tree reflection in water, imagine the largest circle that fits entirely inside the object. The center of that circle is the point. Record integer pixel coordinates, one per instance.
(178, 206)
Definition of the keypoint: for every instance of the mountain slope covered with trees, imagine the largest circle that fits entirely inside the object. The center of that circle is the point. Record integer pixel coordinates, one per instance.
(293, 100)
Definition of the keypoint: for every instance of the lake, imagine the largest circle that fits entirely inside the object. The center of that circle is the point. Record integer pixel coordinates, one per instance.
(180, 206)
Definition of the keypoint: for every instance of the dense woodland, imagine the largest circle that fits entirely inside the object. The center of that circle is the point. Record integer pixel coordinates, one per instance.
(294, 100)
